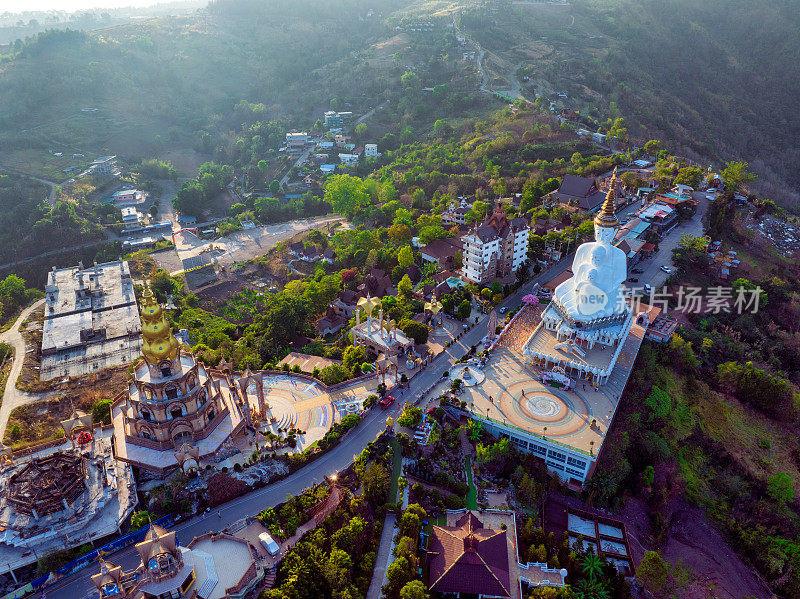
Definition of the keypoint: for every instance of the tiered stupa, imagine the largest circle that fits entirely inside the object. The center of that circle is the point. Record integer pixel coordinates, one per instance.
(588, 309)
(173, 402)
(591, 305)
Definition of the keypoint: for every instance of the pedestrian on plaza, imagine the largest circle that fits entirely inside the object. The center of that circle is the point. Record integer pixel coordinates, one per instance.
(220, 515)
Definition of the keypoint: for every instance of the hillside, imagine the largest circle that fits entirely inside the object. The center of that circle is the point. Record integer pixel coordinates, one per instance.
(716, 80)
(165, 82)
(719, 79)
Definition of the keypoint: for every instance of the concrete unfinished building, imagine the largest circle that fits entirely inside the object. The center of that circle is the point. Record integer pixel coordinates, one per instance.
(90, 320)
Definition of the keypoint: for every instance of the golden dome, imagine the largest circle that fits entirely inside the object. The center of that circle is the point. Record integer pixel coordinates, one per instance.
(158, 342)
(606, 217)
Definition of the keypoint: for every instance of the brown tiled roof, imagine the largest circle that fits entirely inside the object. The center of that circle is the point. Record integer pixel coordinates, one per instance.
(348, 297)
(442, 249)
(469, 558)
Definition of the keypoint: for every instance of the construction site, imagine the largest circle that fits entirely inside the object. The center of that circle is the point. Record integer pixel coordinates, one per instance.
(91, 321)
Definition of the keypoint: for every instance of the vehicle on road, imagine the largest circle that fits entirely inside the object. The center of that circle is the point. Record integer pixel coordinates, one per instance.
(638, 271)
(647, 288)
(666, 269)
(269, 543)
(503, 310)
(633, 280)
(386, 402)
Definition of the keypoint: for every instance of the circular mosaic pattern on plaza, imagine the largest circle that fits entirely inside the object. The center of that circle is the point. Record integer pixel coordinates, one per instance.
(562, 414)
(543, 407)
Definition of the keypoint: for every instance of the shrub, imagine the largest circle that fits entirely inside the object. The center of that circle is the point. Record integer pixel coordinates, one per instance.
(335, 373)
(454, 502)
(101, 412)
(410, 417)
(780, 487)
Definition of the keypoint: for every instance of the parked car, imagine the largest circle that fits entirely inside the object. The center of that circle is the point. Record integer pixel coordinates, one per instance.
(633, 280)
(387, 401)
(269, 543)
(637, 270)
(666, 269)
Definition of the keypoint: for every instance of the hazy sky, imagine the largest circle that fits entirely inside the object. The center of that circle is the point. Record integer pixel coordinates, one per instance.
(70, 5)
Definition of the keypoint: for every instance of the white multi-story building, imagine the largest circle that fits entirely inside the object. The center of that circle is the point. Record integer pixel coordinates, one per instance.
(297, 139)
(496, 248)
(456, 214)
(371, 150)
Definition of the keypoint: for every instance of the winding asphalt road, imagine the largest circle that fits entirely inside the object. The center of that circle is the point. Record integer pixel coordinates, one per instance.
(79, 585)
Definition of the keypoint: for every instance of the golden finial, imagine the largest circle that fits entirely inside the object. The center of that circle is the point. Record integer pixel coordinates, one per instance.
(158, 342)
(606, 217)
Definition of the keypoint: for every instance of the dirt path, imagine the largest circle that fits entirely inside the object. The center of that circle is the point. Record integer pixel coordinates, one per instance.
(13, 397)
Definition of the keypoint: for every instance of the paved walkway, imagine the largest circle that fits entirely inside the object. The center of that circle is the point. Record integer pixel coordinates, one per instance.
(384, 557)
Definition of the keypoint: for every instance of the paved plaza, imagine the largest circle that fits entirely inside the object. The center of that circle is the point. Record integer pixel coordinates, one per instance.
(513, 394)
(295, 402)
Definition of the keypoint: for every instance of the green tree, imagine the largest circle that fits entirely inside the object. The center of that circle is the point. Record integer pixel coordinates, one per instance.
(691, 176)
(415, 589)
(431, 233)
(338, 568)
(347, 194)
(411, 81)
(360, 130)
(737, 173)
(404, 288)
(652, 147)
(405, 257)
(592, 566)
(464, 309)
(442, 129)
(652, 572)
(415, 330)
(274, 186)
(101, 411)
(353, 355)
(333, 374)
(398, 574)
(141, 518)
(376, 483)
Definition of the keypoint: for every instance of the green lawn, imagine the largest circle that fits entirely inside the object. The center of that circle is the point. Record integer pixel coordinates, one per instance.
(472, 494)
(396, 469)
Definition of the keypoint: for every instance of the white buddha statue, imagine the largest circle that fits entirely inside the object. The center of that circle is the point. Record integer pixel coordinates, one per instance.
(599, 269)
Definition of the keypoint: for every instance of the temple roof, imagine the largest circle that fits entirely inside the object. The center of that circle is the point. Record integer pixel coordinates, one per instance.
(469, 558)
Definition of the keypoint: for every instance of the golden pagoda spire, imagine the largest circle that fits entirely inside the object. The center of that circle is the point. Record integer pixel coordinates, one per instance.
(158, 342)
(606, 217)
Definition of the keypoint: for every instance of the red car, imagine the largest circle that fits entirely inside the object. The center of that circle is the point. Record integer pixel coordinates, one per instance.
(387, 401)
